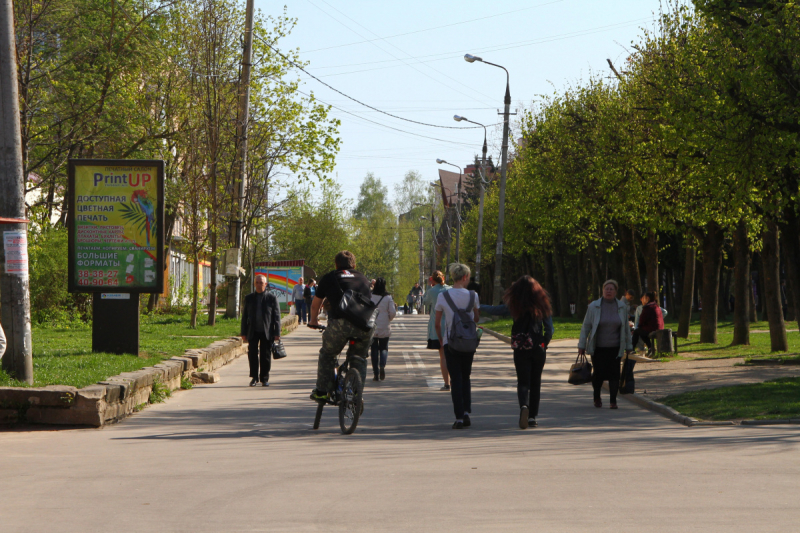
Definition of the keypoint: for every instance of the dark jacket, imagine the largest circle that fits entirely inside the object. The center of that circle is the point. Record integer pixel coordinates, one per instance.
(502, 310)
(651, 318)
(272, 315)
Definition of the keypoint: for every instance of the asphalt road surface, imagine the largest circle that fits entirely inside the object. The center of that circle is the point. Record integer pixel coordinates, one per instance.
(228, 457)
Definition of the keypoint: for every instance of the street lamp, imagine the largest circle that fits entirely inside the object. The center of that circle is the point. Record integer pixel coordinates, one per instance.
(422, 254)
(498, 290)
(483, 181)
(458, 206)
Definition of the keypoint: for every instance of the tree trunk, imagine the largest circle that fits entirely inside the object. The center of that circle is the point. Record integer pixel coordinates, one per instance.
(549, 280)
(724, 293)
(791, 303)
(152, 302)
(770, 257)
(594, 264)
(630, 264)
(741, 286)
(670, 290)
(760, 298)
(580, 294)
(651, 263)
(712, 261)
(790, 237)
(688, 292)
(212, 293)
(563, 294)
(195, 289)
(752, 293)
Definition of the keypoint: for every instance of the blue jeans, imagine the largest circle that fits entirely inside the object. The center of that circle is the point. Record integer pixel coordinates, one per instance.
(302, 312)
(380, 353)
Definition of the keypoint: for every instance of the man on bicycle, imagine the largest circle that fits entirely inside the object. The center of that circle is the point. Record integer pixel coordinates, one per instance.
(339, 330)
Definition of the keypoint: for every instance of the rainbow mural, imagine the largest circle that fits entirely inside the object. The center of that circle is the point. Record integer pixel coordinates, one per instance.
(281, 281)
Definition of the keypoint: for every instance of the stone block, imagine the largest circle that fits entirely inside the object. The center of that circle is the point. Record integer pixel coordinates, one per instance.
(51, 396)
(118, 389)
(9, 416)
(187, 362)
(197, 359)
(69, 417)
(91, 397)
(206, 377)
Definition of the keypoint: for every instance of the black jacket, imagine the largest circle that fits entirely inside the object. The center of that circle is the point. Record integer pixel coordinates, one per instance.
(272, 315)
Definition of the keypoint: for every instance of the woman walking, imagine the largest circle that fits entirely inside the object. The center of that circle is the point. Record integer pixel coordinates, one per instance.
(459, 363)
(529, 306)
(437, 287)
(383, 329)
(605, 335)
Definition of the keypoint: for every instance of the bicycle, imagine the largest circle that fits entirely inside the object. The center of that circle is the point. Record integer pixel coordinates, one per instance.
(347, 394)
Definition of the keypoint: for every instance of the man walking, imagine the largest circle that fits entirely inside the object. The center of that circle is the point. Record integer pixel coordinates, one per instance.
(300, 302)
(261, 326)
(308, 294)
(339, 330)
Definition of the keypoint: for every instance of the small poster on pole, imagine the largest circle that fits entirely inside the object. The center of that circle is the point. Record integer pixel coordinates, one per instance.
(15, 243)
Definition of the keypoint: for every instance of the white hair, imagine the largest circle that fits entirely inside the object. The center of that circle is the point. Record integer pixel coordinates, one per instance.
(261, 276)
(458, 271)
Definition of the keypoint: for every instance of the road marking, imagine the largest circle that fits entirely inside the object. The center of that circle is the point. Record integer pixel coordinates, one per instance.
(420, 364)
(433, 382)
(409, 364)
(419, 346)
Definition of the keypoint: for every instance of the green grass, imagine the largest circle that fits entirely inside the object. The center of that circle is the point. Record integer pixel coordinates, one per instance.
(691, 348)
(63, 355)
(778, 398)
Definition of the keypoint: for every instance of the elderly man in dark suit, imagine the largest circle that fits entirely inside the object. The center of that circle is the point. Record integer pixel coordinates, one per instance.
(261, 326)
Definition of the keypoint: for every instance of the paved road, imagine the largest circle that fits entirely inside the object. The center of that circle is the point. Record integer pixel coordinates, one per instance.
(227, 457)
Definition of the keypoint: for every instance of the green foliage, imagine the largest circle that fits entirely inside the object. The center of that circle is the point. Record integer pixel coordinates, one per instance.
(186, 384)
(159, 392)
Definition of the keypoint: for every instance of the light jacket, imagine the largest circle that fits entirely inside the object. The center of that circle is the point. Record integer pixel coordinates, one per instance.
(429, 299)
(297, 292)
(592, 320)
(386, 313)
(2, 342)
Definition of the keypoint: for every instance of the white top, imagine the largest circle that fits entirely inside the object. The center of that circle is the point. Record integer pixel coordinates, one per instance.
(386, 313)
(460, 297)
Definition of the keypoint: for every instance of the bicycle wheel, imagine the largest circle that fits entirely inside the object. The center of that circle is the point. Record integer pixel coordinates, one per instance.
(318, 416)
(350, 406)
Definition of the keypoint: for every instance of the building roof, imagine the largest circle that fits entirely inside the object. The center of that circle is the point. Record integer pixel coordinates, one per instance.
(448, 185)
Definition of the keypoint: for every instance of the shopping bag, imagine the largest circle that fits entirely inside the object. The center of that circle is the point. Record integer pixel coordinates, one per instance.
(581, 371)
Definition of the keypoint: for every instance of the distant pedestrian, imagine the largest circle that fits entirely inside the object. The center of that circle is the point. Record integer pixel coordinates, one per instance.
(649, 318)
(308, 294)
(431, 296)
(383, 329)
(2, 342)
(529, 306)
(298, 297)
(461, 309)
(605, 336)
(261, 326)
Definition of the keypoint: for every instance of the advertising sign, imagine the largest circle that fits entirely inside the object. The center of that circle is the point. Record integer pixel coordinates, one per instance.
(16, 246)
(281, 281)
(116, 226)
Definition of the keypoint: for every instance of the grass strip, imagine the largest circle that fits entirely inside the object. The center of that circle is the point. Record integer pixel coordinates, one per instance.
(779, 398)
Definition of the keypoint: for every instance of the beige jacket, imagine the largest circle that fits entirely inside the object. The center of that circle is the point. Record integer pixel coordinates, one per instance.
(591, 321)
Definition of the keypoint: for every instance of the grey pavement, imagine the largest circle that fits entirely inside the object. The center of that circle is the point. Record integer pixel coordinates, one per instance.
(227, 457)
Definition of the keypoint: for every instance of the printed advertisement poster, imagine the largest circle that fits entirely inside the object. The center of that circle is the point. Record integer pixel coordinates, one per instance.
(115, 230)
(16, 247)
(281, 282)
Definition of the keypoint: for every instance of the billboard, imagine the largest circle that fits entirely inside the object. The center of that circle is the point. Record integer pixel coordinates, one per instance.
(280, 281)
(116, 225)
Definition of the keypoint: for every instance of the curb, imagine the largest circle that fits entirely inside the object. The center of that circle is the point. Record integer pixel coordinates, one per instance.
(496, 335)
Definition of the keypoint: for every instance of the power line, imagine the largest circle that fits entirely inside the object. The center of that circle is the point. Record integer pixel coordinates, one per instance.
(433, 28)
(359, 101)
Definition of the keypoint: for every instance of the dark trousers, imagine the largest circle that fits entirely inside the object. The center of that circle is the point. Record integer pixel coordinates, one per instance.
(259, 350)
(605, 368)
(379, 351)
(302, 312)
(529, 365)
(645, 336)
(459, 366)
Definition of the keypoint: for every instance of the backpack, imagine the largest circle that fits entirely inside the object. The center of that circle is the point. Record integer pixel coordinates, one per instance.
(463, 334)
(530, 334)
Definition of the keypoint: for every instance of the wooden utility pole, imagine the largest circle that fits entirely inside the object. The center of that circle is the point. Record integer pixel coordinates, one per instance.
(15, 309)
(232, 309)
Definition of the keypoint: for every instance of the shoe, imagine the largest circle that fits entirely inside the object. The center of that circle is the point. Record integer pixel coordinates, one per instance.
(598, 403)
(532, 423)
(458, 424)
(467, 421)
(265, 383)
(523, 417)
(253, 382)
(446, 387)
(319, 396)
(383, 374)
(375, 378)
(614, 406)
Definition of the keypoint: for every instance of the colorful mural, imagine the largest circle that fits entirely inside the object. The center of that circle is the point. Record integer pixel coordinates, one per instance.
(281, 281)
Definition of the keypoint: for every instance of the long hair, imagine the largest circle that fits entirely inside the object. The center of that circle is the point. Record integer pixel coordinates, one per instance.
(380, 287)
(526, 295)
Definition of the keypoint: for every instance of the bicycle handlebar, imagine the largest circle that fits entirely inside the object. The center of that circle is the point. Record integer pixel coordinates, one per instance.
(320, 328)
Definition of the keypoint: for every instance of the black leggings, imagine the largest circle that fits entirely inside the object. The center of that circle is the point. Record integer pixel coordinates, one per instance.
(529, 365)
(459, 366)
(605, 368)
(645, 336)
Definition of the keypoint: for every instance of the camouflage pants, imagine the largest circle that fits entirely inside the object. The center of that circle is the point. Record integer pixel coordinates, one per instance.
(335, 337)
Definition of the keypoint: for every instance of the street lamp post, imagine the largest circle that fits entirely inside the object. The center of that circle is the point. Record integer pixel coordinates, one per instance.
(433, 229)
(498, 263)
(421, 254)
(482, 177)
(458, 207)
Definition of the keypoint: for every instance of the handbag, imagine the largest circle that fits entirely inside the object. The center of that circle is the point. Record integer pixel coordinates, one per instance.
(278, 350)
(357, 309)
(626, 382)
(581, 371)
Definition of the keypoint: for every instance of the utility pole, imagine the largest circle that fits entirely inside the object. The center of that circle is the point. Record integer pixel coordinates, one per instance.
(458, 222)
(498, 255)
(232, 309)
(421, 257)
(15, 308)
(433, 236)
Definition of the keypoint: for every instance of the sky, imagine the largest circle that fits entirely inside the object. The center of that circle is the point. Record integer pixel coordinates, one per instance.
(407, 58)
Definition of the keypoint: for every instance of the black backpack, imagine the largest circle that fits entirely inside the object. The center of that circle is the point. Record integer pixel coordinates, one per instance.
(357, 309)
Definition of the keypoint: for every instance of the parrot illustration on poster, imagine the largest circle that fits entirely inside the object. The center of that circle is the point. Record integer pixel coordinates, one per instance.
(144, 203)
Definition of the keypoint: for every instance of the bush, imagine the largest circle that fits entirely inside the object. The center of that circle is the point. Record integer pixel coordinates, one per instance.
(51, 303)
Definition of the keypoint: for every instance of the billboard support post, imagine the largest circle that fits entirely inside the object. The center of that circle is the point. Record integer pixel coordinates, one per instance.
(116, 243)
